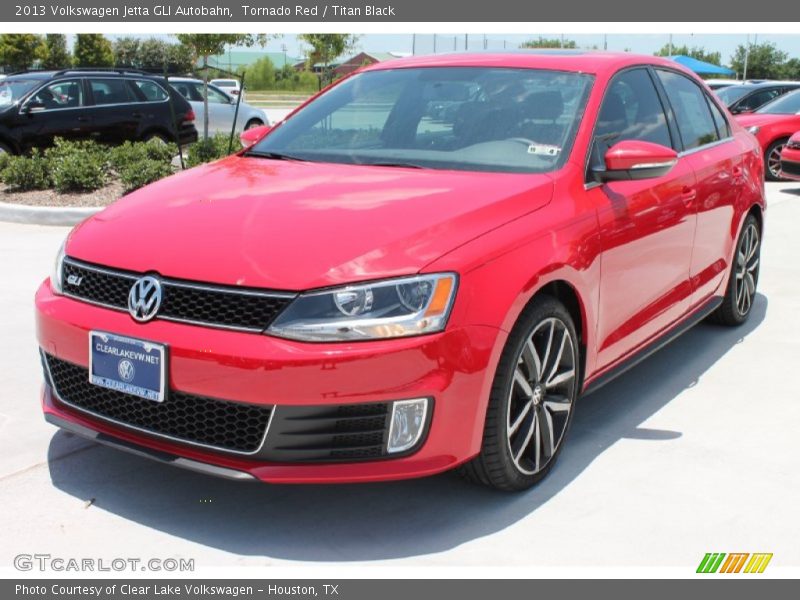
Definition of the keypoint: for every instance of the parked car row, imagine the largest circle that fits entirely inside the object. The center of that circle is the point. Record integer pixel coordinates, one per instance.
(112, 106)
(748, 97)
(221, 106)
(790, 158)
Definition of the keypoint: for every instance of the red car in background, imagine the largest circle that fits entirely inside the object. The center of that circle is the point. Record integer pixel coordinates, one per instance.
(790, 158)
(420, 269)
(773, 124)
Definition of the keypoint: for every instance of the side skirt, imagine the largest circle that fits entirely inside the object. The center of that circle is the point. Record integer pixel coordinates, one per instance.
(700, 313)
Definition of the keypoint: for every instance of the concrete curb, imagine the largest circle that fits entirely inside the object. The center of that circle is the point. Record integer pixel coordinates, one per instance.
(46, 215)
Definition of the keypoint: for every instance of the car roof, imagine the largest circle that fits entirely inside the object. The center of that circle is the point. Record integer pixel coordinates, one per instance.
(581, 61)
(44, 75)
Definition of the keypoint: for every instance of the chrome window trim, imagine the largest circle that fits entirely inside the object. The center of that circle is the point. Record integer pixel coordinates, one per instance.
(155, 433)
(705, 146)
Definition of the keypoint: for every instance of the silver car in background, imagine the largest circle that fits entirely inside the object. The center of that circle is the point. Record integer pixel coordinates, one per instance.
(221, 107)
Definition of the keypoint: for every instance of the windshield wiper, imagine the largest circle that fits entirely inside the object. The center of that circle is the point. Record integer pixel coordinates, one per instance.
(272, 155)
(392, 164)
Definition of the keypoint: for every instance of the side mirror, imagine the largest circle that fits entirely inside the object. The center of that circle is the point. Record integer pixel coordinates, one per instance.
(33, 106)
(250, 136)
(634, 159)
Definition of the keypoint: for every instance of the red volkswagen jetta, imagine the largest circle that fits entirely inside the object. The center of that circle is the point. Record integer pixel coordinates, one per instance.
(422, 268)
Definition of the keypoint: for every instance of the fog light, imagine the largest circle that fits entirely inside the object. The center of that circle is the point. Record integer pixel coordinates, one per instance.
(408, 421)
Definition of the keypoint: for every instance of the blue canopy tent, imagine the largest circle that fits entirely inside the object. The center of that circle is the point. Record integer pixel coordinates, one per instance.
(701, 67)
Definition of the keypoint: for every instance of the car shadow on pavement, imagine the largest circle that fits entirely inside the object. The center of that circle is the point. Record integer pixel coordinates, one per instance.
(387, 520)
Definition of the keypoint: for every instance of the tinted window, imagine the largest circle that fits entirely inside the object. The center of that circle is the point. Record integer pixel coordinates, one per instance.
(468, 118)
(785, 105)
(731, 94)
(688, 101)
(111, 91)
(723, 129)
(757, 99)
(151, 90)
(62, 94)
(632, 110)
(214, 96)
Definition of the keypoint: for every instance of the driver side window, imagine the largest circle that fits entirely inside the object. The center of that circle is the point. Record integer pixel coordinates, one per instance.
(632, 110)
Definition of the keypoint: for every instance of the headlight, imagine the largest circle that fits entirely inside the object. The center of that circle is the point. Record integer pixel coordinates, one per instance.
(382, 309)
(754, 129)
(56, 277)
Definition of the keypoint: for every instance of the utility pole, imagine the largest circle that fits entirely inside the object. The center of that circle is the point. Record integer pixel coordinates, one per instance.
(746, 57)
(413, 44)
(466, 41)
(434, 43)
(669, 51)
(605, 41)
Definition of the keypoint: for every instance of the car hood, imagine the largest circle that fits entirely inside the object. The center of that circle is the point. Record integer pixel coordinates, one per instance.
(295, 226)
(751, 119)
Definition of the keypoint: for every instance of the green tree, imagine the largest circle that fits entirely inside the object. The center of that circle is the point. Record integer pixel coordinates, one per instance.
(698, 52)
(205, 45)
(542, 42)
(126, 52)
(56, 54)
(19, 51)
(93, 50)
(764, 61)
(153, 54)
(791, 69)
(327, 47)
(180, 59)
(260, 75)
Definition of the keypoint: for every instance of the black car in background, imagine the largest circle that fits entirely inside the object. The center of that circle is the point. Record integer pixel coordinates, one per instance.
(108, 106)
(748, 97)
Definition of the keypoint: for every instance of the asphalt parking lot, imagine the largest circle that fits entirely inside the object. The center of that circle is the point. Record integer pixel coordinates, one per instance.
(695, 450)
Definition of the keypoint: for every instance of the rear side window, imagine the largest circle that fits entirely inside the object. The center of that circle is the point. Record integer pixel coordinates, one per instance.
(151, 90)
(632, 110)
(111, 91)
(695, 123)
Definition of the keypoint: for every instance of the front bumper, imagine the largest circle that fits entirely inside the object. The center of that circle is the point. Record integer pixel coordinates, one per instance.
(453, 368)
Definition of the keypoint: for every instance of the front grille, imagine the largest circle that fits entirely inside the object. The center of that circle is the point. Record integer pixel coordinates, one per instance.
(219, 424)
(212, 305)
(328, 433)
(790, 168)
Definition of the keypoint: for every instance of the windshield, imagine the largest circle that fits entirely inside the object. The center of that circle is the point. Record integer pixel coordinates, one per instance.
(788, 104)
(463, 118)
(12, 90)
(731, 94)
(225, 82)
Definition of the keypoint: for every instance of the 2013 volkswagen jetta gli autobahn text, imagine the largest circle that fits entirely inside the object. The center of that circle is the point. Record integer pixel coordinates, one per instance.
(420, 269)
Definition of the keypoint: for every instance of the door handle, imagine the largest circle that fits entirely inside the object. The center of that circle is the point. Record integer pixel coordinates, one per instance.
(84, 119)
(688, 194)
(137, 115)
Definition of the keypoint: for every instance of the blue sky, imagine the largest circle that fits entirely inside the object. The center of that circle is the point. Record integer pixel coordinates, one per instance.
(645, 44)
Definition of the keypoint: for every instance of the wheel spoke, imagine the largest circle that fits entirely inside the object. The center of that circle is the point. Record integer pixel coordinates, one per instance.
(546, 427)
(531, 359)
(537, 445)
(753, 266)
(513, 427)
(559, 356)
(557, 404)
(522, 382)
(560, 379)
(549, 346)
(527, 439)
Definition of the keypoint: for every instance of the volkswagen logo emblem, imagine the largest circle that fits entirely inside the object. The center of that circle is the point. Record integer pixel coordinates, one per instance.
(126, 370)
(144, 299)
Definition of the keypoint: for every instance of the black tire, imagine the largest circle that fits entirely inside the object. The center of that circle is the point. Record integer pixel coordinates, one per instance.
(253, 123)
(735, 308)
(772, 162)
(496, 465)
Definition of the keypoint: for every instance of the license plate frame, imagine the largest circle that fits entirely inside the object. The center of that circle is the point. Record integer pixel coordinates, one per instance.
(144, 358)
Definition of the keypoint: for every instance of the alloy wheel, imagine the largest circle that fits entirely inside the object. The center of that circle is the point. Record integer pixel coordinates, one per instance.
(541, 395)
(747, 263)
(774, 161)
